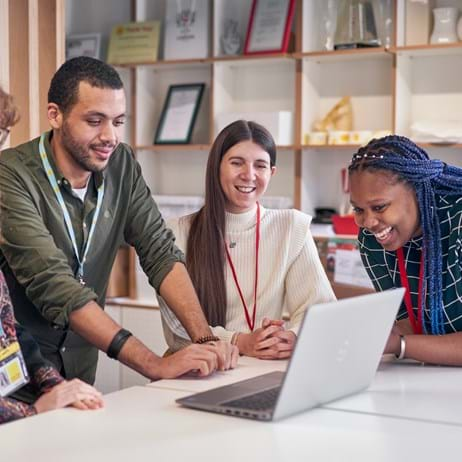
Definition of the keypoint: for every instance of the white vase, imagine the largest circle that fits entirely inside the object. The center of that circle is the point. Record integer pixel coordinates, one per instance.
(444, 28)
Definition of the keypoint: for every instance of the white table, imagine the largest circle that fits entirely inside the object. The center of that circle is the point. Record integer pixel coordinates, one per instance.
(400, 389)
(411, 390)
(145, 424)
(246, 369)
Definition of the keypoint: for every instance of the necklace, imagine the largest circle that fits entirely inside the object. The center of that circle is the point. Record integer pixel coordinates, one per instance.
(416, 324)
(250, 320)
(67, 218)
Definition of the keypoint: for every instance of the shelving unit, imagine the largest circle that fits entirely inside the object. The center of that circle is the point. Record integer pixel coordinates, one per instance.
(390, 88)
(32, 46)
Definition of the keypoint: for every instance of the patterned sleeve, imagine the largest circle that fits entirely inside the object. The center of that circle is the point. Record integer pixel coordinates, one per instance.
(45, 378)
(372, 256)
(11, 409)
(43, 375)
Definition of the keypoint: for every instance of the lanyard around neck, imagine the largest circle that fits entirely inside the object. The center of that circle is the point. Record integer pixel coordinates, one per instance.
(250, 321)
(416, 324)
(67, 219)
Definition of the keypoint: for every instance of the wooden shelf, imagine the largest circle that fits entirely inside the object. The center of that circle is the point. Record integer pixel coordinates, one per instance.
(321, 55)
(345, 55)
(196, 147)
(287, 147)
(262, 56)
(429, 50)
(255, 60)
(127, 302)
(355, 147)
(173, 147)
(441, 145)
(167, 64)
(179, 63)
(324, 147)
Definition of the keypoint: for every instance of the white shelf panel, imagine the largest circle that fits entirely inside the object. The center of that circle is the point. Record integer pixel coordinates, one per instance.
(428, 89)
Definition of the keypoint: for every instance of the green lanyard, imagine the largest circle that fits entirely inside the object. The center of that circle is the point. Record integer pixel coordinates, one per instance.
(67, 218)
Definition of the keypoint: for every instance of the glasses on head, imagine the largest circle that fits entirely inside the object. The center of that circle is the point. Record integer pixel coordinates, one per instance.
(4, 132)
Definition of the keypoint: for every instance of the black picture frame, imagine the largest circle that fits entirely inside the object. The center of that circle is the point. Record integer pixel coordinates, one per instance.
(179, 113)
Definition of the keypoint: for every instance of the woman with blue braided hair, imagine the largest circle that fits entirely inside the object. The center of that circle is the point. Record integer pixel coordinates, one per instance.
(409, 210)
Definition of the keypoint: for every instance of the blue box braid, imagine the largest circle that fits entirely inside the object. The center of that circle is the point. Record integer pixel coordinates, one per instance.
(429, 177)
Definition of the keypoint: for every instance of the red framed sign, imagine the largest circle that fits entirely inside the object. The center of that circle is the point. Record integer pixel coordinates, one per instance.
(269, 26)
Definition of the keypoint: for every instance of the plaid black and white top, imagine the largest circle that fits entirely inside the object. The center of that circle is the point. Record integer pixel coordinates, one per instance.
(382, 266)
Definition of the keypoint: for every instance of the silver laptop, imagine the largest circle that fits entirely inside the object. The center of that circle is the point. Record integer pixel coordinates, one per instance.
(338, 350)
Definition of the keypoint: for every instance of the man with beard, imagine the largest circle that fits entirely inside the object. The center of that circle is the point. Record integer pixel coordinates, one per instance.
(70, 198)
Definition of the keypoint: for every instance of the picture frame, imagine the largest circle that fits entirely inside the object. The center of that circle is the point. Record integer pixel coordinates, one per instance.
(187, 29)
(179, 113)
(269, 27)
(134, 43)
(83, 45)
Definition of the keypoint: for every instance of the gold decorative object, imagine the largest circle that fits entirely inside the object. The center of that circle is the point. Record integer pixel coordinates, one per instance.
(340, 117)
(360, 136)
(339, 137)
(316, 138)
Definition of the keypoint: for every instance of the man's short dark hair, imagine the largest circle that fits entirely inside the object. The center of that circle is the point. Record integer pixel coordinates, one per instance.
(64, 86)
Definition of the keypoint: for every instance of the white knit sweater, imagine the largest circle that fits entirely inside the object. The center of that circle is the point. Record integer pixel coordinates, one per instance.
(290, 279)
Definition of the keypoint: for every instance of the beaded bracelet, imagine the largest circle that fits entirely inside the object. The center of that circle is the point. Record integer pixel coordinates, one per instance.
(206, 339)
(234, 338)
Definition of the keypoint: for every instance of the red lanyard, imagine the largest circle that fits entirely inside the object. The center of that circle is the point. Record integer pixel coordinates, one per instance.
(416, 325)
(250, 322)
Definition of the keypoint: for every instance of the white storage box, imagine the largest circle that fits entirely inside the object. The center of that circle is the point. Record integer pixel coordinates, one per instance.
(278, 123)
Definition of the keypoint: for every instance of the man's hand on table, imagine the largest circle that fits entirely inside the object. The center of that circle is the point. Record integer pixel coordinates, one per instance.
(203, 359)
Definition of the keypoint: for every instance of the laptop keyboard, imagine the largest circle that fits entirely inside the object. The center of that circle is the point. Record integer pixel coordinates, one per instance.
(256, 402)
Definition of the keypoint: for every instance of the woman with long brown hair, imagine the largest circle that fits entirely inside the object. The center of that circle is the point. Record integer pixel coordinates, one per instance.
(248, 264)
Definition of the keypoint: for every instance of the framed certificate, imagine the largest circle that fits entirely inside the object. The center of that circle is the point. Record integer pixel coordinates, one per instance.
(83, 45)
(179, 114)
(134, 42)
(269, 26)
(186, 28)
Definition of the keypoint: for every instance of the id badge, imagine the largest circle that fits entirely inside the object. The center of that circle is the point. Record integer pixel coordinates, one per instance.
(13, 372)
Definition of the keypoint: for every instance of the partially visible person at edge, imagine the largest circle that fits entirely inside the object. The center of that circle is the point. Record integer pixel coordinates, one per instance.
(409, 209)
(70, 198)
(55, 392)
(248, 263)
